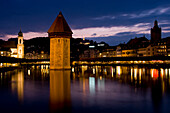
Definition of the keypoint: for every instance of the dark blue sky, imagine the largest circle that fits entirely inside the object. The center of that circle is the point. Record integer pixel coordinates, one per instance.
(112, 21)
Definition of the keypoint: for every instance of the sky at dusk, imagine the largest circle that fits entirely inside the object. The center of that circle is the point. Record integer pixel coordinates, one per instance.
(112, 21)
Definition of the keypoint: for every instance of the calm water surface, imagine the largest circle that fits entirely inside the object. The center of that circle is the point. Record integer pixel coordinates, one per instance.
(102, 89)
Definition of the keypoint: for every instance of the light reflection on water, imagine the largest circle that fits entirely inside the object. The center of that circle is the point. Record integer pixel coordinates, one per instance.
(86, 89)
(60, 93)
(18, 84)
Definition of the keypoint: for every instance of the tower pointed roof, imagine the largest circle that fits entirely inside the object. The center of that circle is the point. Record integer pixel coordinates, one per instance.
(60, 25)
(156, 23)
(20, 33)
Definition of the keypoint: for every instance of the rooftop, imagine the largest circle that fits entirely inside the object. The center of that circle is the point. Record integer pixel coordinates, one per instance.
(60, 25)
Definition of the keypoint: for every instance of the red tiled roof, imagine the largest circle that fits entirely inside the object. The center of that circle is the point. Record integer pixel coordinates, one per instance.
(60, 25)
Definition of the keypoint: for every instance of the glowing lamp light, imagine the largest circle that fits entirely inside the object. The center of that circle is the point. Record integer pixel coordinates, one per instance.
(91, 46)
(72, 69)
(100, 44)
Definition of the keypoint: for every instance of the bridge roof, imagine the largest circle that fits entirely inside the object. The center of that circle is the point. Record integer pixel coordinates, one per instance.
(60, 25)
(125, 58)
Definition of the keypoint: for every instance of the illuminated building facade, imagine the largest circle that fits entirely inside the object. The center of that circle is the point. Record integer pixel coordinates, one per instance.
(35, 55)
(60, 34)
(20, 45)
(129, 53)
(141, 47)
(89, 53)
(5, 52)
(13, 48)
(8, 49)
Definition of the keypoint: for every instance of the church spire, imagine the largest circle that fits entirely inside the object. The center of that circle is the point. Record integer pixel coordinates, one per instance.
(20, 45)
(155, 32)
(20, 33)
(156, 23)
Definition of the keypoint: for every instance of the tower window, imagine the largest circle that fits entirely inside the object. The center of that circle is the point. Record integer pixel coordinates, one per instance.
(20, 41)
(20, 50)
(58, 40)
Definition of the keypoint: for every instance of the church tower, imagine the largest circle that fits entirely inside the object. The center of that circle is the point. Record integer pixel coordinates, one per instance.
(20, 45)
(60, 34)
(155, 32)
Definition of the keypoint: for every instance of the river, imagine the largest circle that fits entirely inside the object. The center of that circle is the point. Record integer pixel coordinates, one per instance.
(101, 89)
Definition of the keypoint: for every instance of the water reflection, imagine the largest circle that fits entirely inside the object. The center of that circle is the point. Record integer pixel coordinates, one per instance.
(101, 84)
(118, 71)
(103, 88)
(154, 73)
(60, 94)
(92, 85)
(157, 79)
(18, 84)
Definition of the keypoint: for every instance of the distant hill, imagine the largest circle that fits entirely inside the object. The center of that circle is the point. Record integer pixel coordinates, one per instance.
(37, 44)
(13, 39)
(43, 44)
(1, 42)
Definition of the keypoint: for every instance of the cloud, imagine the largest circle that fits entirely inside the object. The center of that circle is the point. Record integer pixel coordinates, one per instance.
(140, 28)
(92, 32)
(104, 17)
(166, 31)
(155, 11)
(125, 33)
(145, 13)
(142, 24)
(95, 31)
(164, 22)
(27, 35)
(1, 35)
(35, 34)
(165, 28)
